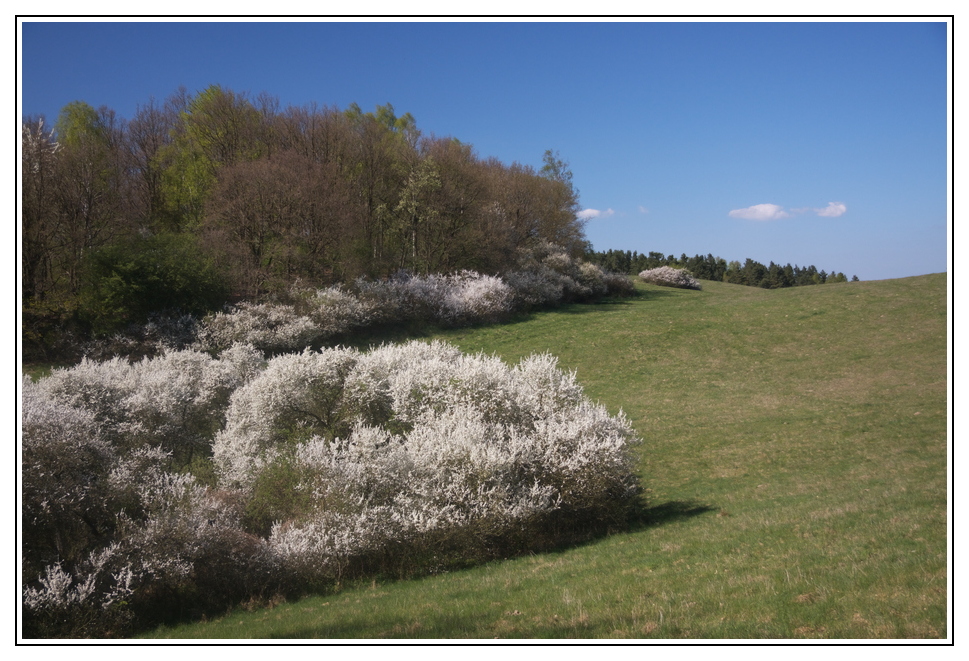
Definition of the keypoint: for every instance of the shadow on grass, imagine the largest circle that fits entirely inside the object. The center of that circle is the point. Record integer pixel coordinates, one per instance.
(674, 510)
(610, 304)
(431, 623)
(365, 339)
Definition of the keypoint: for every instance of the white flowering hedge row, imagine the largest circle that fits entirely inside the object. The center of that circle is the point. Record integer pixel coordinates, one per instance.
(191, 480)
(547, 276)
(668, 276)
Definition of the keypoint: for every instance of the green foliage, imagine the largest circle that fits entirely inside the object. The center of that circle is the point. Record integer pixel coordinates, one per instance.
(186, 180)
(128, 281)
(78, 122)
(751, 273)
(556, 169)
(47, 327)
(282, 492)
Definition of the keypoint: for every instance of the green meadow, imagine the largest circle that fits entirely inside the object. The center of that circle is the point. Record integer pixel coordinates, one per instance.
(794, 468)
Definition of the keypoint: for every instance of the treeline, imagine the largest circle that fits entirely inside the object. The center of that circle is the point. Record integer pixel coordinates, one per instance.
(750, 273)
(221, 196)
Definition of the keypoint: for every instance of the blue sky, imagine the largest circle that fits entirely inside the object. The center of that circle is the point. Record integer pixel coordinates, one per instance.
(817, 143)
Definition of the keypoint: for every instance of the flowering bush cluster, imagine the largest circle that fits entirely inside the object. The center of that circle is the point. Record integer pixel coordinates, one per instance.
(547, 276)
(311, 317)
(272, 327)
(193, 480)
(668, 276)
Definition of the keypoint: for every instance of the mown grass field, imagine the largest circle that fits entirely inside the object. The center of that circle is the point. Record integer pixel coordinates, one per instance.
(795, 459)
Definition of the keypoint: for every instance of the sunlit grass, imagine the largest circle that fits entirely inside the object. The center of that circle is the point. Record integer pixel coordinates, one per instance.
(795, 459)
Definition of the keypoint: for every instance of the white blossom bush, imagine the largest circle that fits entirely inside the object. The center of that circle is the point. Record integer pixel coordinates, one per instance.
(295, 395)
(385, 300)
(466, 297)
(559, 265)
(176, 400)
(270, 327)
(476, 298)
(330, 463)
(592, 278)
(85, 602)
(418, 440)
(668, 276)
(336, 310)
(547, 276)
(321, 315)
(173, 544)
(179, 536)
(64, 464)
(536, 288)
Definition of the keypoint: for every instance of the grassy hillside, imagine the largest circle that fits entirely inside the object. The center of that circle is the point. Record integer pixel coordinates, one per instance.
(795, 458)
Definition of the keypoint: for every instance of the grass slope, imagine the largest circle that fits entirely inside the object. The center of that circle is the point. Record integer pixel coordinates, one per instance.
(796, 460)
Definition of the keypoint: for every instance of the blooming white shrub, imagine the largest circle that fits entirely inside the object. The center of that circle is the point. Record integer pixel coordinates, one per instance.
(176, 400)
(57, 589)
(539, 287)
(96, 387)
(668, 276)
(406, 440)
(385, 300)
(592, 278)
(465, 297)
(336, 310)
(270, 327)
(169, 535)
(476, 298)
(548, 275)
(296, 395)
(78, 603)
(64, 463)
(174, 532)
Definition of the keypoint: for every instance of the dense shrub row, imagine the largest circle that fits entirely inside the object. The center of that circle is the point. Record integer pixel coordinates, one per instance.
(305, 316)
(193, 481)
(668, 276)
(547, 276)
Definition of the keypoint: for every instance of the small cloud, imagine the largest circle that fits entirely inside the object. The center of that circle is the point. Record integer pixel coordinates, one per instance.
(588, 214)
(643, 209)
(833, 210)
(760, 212)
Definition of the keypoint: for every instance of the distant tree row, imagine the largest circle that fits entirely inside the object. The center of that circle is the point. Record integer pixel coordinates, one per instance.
(750, 273)
(221, 195)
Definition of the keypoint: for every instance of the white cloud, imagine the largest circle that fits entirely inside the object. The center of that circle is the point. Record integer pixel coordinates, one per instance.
(833, 210)
(643, 209)
(760, 212)
(587, 214)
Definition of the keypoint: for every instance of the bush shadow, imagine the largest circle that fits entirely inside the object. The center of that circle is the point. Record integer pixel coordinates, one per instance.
(395, 333)
(675, 510)
(437, 625)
